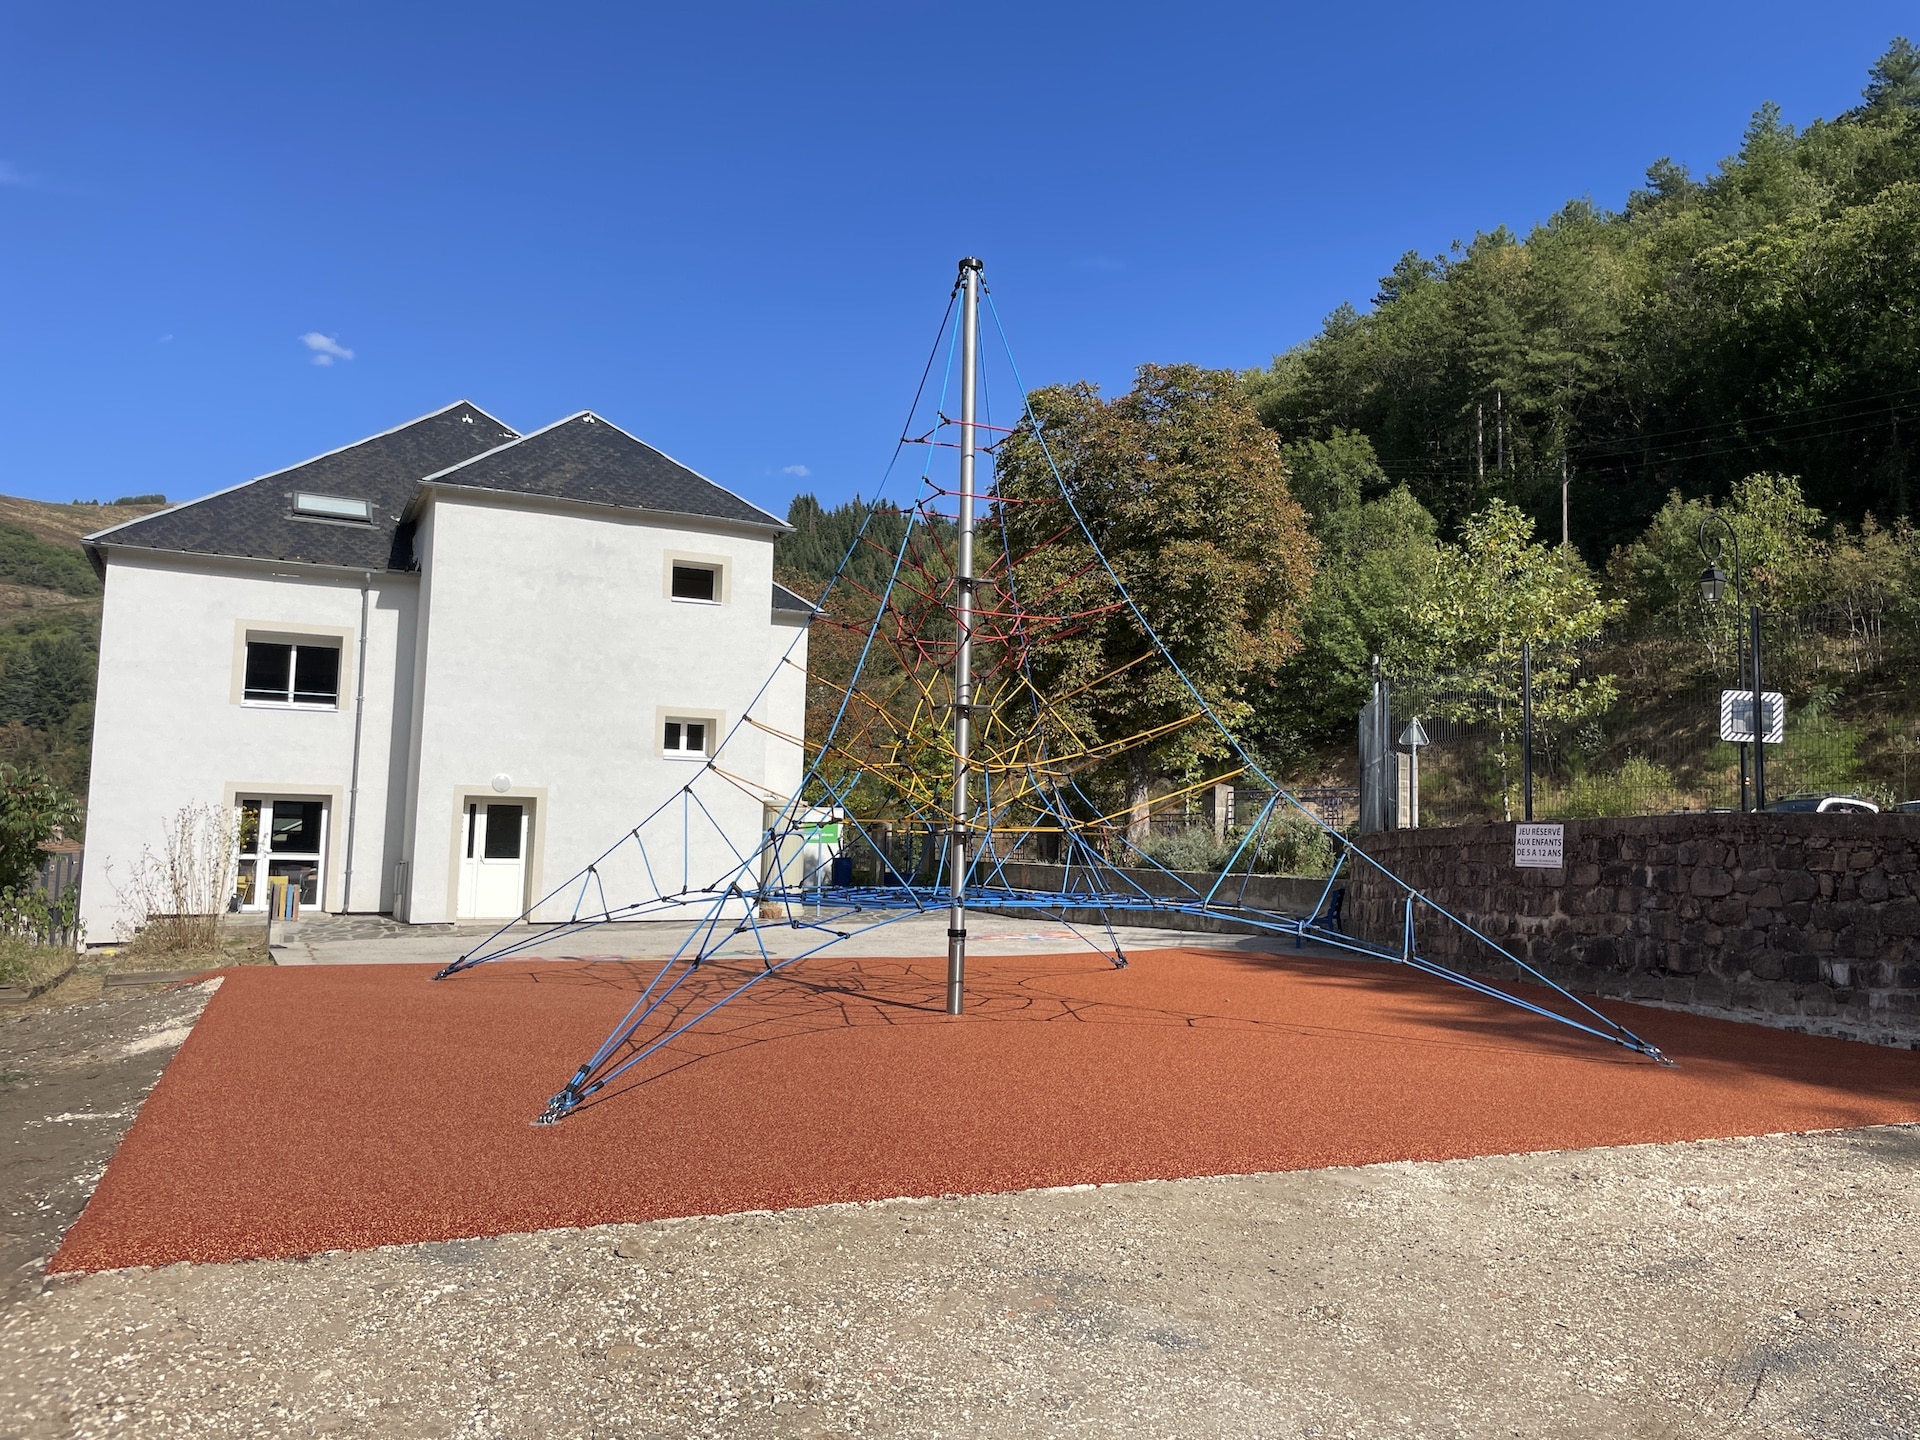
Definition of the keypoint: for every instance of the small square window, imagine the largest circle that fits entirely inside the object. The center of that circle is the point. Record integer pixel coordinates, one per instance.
(288, 673)
(685, 737)
(695, 582)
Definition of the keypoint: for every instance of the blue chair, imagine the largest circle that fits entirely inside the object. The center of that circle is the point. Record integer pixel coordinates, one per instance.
(1329, 919)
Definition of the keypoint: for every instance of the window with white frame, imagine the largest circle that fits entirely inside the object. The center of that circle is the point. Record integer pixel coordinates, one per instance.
(696, 582)
(295, 673)
(687, 738)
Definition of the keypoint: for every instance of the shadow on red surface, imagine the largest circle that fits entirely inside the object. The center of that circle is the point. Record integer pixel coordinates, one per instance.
(345, 1107)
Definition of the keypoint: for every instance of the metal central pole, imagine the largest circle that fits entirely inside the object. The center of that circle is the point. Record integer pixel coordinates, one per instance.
(1526, 725)
(1759, 723)
(963, 647)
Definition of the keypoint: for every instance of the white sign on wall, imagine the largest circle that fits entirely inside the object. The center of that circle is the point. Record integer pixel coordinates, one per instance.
(1539, 847)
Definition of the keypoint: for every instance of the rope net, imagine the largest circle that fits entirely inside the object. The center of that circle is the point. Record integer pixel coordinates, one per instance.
(1077, 703)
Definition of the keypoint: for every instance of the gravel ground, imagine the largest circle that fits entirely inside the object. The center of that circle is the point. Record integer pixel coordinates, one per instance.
(73, 1071)
(1750, 1287)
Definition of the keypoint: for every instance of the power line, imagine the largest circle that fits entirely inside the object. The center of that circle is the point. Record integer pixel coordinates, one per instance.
(1745, 436)
(1758, 430)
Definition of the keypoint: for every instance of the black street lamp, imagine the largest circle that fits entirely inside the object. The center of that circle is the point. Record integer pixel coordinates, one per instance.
(1713, 584)
(1713, 581)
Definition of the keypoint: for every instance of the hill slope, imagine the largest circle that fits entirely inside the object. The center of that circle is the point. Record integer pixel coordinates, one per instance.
(1765, 317)
(50, 633)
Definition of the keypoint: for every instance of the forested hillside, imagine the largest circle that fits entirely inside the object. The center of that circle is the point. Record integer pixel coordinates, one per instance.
(1743, 348)
(50, 633)
(1764, 317)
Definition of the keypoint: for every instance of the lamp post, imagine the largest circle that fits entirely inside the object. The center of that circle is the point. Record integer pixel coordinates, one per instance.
(1713, 584)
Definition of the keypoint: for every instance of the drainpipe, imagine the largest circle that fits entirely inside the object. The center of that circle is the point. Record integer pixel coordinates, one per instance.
(359, 712)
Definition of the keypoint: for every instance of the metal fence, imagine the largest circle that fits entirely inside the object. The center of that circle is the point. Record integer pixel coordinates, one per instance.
(1635, 725)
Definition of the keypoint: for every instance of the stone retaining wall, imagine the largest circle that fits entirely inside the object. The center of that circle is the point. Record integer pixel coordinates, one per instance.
(1810, 922)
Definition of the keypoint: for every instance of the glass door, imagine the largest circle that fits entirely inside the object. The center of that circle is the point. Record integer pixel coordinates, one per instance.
(280, 837)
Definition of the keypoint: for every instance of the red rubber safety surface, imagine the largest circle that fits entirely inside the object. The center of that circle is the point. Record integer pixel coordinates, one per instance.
(346, 1107)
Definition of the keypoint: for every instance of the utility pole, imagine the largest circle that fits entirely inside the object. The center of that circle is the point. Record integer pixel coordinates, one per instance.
(1499, 434)
(1759, 723)
(1566, 541)
(1526, 725)
(963, 647)
(1480, 442)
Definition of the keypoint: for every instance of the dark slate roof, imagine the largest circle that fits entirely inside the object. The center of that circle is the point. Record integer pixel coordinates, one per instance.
(256, 519)
(583, 458)
(791, 602)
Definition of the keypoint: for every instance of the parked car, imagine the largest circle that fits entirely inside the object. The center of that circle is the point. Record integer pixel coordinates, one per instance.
(1908, 807)
(1827, 804)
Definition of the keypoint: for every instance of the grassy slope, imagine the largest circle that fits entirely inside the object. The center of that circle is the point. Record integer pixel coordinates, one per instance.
(66, 524)
(61, 525)
(28, 610)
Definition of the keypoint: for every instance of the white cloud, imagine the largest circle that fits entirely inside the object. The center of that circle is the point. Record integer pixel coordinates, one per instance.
(12, 174)
(798, 471)
(326, 348)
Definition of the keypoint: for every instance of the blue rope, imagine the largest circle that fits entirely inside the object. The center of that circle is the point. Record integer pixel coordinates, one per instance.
(1066, 494)
(1104, 886)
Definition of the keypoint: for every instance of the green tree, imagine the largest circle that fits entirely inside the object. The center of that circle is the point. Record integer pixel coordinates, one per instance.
(1376, 558)
(857, 540)
(1486, 597)
(1762, 318)
(1332, 476)
(807, 558)
(1894, 82)
(1186, 494)
(33, 810)
(44, 681)
(1656, 579)
(26, 559)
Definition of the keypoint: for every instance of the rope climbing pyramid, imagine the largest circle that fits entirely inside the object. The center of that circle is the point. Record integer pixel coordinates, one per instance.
(999, 696)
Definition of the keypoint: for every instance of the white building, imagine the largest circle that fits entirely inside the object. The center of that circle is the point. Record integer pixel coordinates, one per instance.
(440, 670)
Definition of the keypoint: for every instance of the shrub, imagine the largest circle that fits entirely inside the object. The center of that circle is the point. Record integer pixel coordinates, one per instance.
(1295, 845)
(1191, 849)
(33, 810)
(1287, 845)
(1638, 787)
(31, 914)
(26, 559)
(181, 893)
(26, 962)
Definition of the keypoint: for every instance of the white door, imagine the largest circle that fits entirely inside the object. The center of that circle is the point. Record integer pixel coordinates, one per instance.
(493, 861)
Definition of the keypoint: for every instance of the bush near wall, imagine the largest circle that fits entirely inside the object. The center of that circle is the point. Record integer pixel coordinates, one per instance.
(1811, 922)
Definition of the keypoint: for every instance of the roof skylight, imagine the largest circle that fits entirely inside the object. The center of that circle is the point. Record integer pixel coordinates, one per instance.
(333, 507)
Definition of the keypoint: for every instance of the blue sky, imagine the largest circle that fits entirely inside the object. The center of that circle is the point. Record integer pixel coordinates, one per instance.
(731, 229)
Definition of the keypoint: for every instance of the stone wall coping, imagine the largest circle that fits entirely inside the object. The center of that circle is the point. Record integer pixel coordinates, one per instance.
(1766, 825)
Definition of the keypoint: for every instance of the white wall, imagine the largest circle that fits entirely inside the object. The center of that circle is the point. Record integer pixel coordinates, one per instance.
(549, 647)
(784, 706)
(169, 730)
